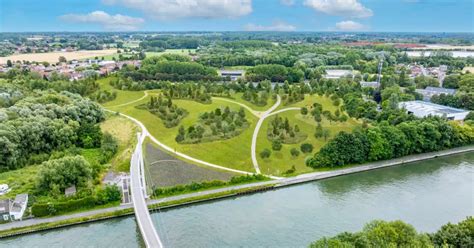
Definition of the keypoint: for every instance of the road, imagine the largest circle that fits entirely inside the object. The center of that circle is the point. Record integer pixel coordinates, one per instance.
(255, 134)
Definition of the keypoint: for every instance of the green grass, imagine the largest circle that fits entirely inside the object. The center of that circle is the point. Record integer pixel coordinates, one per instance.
(124, 131)
(122, 96)
(281, 161)
(20, 180)
(232, 153)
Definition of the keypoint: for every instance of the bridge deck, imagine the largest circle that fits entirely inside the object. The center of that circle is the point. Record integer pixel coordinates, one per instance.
(137, 181)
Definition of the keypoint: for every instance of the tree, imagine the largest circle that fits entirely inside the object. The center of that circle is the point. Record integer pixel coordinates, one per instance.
(294, 152)
(319, 131)
(378, 233)
(265, 153)
(304, 111)
(326, 134)
(276, 145)
(306, 147)
(62, 59)
(9, 63)
(455, 235)
(64, 172)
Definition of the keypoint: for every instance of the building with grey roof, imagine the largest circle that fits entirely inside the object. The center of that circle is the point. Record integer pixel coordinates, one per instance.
(422, 109)
(429, 92)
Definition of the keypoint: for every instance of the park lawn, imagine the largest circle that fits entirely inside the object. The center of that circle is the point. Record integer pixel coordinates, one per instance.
(281, 161)
(232, 153)
(20, 181)
(123, 96)
(124, 131)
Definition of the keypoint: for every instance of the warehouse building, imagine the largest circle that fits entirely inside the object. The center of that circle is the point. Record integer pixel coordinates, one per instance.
(423, 109)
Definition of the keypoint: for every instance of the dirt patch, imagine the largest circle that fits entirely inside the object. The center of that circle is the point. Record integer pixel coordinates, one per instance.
(166, 170)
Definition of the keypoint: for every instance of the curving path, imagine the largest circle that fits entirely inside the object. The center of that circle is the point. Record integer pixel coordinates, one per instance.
(258, 114)
(257, 129)
(134, 101)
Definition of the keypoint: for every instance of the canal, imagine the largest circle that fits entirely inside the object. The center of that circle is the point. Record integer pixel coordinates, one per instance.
(425, 194)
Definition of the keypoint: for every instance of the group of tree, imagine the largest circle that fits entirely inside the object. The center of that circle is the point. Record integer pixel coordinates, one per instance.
(386, 141)
(44, 122)
(259, 98)
(464, 97)
(174, 68)
(274, 73)
(381, 233)
(222, 123)
(166, 110)
(189, 91)
(281, 131)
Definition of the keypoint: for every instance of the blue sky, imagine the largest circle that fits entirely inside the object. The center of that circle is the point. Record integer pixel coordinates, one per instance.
(237, 15)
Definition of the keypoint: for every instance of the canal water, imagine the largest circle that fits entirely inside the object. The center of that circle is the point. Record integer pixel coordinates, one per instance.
(426, 194)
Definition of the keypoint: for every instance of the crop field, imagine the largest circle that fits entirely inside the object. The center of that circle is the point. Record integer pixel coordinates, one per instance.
(52, 57)
(166, 170)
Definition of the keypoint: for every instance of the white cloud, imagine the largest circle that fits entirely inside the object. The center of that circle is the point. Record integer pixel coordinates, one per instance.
(175, 9)
(275, 26)
(346, 8)
(109, 22)
(349, 26)
(287, 2)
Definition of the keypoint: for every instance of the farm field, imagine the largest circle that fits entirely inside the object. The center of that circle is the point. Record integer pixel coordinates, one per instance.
(166, 170)
(281, 161)
(52, 57)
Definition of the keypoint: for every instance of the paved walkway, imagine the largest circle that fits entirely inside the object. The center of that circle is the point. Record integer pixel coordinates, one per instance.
(256, 113)
(138, 189)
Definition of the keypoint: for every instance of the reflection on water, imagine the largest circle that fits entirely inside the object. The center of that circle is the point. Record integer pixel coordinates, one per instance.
(425, 194)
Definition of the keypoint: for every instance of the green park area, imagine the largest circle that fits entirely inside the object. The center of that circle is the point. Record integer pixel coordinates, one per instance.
(235, 152)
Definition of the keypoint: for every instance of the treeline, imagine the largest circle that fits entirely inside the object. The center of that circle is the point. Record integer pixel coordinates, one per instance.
(39, 124)
(385, 141)
(464, 98)
(381, 233)
(189, 91)
(274, 73)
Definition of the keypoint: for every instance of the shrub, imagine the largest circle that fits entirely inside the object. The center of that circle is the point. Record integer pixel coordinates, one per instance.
(276, 145)
(306, 147)
(110, 193)
(265, 153)
(294, 152)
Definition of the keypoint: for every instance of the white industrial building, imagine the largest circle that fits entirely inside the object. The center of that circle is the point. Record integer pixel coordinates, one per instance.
(336, 74)
(422, 109)
(232, 74)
